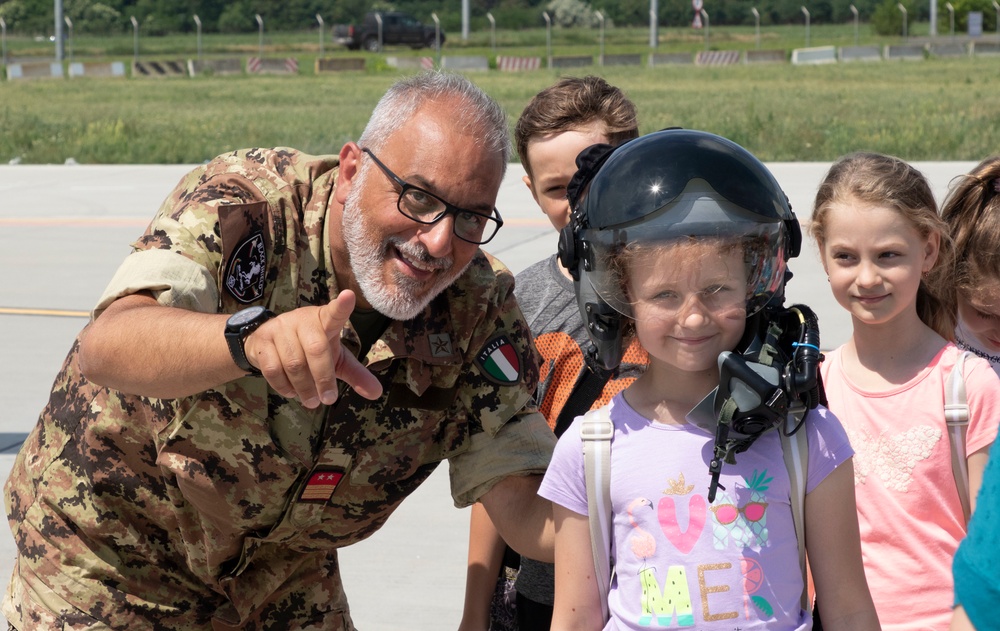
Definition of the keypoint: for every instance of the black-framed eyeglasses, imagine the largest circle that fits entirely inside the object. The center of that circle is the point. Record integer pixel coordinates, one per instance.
(425, 207)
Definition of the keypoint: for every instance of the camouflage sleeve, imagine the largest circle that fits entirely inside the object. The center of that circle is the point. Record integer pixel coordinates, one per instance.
(513, 437)
(179, 256)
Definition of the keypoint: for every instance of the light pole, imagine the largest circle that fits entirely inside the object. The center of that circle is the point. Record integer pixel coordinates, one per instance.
(805, 12)
(437, 36)
(756, 25)
(933, 20)
(548, 38)
(465, 20)
(197, 25)
(260, 35)
(493, 32)
(59, 29)
(319, 18)
(903, 11)
(600, 18)
(378, 20)
(996, 27)
(135, 38)
(3, 39)
(951, 18)
(654, 24)
(708, 29)
(854, 10)
(69, 25)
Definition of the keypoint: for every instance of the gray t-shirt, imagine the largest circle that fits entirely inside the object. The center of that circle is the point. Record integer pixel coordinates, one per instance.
(548, 302)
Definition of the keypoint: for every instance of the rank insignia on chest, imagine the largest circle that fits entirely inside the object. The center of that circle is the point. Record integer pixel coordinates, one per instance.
(320, 485)
(499, 361)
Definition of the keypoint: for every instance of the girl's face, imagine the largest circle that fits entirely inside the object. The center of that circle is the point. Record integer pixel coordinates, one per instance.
(689, 303)
(875, 258)
(979, 312)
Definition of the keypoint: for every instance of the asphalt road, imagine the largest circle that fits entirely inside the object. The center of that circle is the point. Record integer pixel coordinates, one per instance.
(65, 229)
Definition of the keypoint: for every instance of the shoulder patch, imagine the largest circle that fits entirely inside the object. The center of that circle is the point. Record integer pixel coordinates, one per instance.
(245, 272)
(499, 361)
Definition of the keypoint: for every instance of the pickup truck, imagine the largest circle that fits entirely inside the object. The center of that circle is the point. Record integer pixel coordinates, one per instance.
(397, 28)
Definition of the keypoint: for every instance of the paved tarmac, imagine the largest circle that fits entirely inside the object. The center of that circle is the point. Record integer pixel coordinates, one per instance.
(65, 229)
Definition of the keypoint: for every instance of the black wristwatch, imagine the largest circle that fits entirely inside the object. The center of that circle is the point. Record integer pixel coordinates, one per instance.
(238, 327)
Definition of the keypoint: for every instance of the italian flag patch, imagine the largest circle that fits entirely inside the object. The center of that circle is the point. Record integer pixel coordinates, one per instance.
(499, 361)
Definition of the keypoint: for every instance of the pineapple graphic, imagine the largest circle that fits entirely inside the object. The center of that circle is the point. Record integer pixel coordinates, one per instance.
(742, 526)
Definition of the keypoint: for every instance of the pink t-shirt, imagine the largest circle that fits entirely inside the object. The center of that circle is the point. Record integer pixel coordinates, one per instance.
(908, 506)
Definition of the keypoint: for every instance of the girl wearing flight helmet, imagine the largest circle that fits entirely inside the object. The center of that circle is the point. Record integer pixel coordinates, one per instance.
(681, 240)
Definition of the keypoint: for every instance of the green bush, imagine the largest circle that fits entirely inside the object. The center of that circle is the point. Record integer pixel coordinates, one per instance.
(962, 9)
(888, 19)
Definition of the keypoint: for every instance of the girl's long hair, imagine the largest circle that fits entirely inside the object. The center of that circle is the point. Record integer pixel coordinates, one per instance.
(972, 210)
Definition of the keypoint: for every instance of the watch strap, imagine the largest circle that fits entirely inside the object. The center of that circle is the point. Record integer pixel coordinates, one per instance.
(236, 341)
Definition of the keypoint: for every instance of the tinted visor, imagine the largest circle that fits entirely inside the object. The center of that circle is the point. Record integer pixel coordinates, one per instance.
(651, 172)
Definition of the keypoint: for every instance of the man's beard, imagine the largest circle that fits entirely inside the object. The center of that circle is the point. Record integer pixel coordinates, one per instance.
(402, 297)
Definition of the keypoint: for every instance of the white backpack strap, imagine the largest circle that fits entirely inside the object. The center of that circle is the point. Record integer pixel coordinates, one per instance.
(795, 450)
(956, 415)
(596, 431)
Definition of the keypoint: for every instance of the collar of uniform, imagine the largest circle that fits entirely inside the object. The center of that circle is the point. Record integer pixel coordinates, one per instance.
(429, 338)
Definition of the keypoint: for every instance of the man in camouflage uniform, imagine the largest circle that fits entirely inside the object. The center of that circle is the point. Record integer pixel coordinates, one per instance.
(166, 488)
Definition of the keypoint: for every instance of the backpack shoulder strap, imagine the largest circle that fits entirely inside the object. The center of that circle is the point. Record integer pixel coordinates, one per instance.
(596, 431)
(795, 451)
(956, 415)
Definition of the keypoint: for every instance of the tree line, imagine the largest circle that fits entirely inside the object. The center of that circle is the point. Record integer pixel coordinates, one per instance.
(160, 17)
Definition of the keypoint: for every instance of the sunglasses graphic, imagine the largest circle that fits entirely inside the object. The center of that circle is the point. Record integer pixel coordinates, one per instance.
(727, 513)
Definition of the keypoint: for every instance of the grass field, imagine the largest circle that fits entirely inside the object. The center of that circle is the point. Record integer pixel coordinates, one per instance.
(936, 109)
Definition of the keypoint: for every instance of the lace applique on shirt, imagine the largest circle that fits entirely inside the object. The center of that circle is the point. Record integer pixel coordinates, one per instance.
(891, 458)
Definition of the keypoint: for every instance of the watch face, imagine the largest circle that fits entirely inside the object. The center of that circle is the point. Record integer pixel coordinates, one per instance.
(245, 316)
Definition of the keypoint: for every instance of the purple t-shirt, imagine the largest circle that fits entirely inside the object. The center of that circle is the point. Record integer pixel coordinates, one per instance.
(681, 562)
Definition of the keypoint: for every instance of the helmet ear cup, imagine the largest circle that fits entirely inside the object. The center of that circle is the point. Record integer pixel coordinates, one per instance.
(794, 242)
(569, 257)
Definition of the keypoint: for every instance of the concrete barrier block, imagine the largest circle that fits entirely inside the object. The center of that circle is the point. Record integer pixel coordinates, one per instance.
(948, 49)
(159, 69)
(904, 52)
(773, 56)
(465, 63)
(35, 70)
(668, 59)
(410, 63)
(572, 61)
(272, 65)
(623, 60)
(515, 64)
(860, 53)
(816, 55)
(97, 69)
(339, 64)
(985, 49)
(717, 58)
(227, 66)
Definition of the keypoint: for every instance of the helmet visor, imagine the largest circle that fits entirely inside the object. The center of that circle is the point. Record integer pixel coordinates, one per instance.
(700, 246)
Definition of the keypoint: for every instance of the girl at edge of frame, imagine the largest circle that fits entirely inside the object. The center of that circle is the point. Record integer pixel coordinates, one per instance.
(679, 560)
(889, 260)
(972, 210)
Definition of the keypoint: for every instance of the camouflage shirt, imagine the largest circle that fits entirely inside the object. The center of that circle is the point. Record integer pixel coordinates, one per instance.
(224, 508)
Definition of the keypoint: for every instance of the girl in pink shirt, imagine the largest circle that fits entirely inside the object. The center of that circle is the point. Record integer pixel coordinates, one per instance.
(889, 260)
